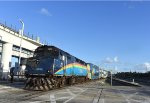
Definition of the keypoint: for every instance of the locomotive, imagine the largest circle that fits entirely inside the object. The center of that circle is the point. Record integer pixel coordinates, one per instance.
(51, 67)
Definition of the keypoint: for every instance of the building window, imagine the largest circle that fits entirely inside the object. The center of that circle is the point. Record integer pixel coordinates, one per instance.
(25, 51)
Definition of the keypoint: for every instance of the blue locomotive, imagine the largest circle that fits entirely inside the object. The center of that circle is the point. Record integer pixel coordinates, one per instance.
(52, 67)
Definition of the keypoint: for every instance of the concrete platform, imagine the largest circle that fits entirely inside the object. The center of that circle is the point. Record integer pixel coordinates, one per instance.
(92, 92)
(127, 83)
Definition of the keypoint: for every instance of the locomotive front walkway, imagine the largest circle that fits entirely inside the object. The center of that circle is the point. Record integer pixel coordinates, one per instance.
(92, 92)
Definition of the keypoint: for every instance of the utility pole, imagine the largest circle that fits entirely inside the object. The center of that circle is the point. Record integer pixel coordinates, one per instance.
(22, 30)
(111, 77)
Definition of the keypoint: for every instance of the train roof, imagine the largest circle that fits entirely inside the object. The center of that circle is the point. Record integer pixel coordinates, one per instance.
(93, 64)
(51, 46)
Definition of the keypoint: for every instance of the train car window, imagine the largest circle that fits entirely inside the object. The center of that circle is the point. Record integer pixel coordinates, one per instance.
(72, 59)
(49, 48)
(60, 56)
(68, 58)
(58, 64)
(40, 49)
(53, 53)
(43, 51)
(38, 54)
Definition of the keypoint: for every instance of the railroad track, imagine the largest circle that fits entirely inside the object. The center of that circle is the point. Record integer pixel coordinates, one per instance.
(39, 93)
(99, 94)
(10, 94)
(91, 85)
(24, 95)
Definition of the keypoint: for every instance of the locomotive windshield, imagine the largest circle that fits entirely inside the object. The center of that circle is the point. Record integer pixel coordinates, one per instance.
(32, 62)
(39, 63)
(48, 52)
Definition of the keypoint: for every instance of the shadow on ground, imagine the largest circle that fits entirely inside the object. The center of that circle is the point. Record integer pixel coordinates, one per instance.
(15, 84)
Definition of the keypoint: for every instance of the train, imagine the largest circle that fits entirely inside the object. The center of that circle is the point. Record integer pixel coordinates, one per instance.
(51, 67)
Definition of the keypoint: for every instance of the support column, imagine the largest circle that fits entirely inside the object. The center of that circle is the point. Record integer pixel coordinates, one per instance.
(6, 58)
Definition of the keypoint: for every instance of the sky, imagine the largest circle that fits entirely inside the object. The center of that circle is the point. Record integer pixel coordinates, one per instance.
(113, 35)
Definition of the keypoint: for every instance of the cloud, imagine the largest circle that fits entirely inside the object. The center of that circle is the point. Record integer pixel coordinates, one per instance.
(116, 65)
(44, 11)
(143, 67)
(116, 59)
(147, 66)
(111, 60)
(108, 60)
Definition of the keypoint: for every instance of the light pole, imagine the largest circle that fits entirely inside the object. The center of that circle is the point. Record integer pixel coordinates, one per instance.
(22, 30)
(111, 77)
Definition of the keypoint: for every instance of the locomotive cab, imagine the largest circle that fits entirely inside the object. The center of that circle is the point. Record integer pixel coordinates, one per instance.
(43, 61)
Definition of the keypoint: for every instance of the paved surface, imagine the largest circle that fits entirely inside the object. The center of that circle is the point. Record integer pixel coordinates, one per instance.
(92, 92)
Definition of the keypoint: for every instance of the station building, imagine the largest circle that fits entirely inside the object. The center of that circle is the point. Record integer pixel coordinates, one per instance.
(10, 41)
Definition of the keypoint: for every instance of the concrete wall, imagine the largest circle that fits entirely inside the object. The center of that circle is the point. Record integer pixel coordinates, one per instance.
(14, 38)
